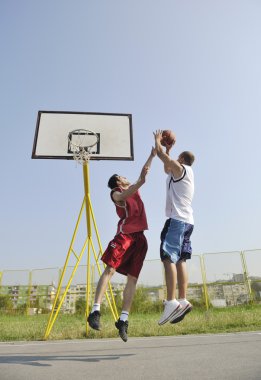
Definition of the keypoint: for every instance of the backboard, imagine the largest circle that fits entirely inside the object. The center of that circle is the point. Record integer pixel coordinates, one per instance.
(56, 131)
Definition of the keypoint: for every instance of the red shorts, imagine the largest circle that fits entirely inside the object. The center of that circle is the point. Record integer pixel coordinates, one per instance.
(126, 253)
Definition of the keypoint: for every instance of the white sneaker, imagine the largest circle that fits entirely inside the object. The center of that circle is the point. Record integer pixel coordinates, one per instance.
(170, 310)
(185, 309)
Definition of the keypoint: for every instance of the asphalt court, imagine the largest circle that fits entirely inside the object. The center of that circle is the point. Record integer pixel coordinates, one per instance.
(218, 356)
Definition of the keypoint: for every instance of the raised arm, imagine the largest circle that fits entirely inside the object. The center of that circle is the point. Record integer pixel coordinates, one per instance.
(170, 165)
(149, 160)
(121, 197)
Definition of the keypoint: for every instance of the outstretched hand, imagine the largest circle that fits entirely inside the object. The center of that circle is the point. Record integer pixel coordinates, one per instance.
(146, 167)
(158, 137)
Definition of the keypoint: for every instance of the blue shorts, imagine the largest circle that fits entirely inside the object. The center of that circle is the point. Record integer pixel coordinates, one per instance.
(175, 240)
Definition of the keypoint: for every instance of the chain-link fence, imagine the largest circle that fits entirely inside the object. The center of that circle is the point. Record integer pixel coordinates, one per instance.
(215, 279)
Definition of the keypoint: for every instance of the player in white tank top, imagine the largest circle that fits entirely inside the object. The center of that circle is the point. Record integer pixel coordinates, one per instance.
(179, 195)
(175, 236)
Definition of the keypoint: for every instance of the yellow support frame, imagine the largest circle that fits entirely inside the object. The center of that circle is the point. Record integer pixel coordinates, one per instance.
(204, 279)
(88, 244)
(29, 292)
(246, 276)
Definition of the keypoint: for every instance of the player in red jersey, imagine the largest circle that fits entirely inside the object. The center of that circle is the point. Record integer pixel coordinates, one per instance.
(126, 252)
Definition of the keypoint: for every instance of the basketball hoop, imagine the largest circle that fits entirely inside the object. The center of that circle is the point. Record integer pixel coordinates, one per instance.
(80, 143)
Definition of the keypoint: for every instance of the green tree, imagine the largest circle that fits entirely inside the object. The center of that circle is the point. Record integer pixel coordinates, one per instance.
(256, 288)
(142, 302)
(21, 309)
(6, 304)
(80, 306)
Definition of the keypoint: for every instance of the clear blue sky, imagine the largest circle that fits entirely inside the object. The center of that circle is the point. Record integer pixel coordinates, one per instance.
(190, 66)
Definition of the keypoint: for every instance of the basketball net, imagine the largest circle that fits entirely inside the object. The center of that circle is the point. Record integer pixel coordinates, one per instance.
(81, 155)
(81, 142)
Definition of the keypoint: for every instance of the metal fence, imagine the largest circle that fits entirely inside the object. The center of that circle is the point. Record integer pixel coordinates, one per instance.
(215, 279)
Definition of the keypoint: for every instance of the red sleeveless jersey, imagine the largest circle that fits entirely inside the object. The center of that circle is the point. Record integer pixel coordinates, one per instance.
(132, 214)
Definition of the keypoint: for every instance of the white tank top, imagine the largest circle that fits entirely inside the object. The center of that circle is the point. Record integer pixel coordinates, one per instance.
(179, 197)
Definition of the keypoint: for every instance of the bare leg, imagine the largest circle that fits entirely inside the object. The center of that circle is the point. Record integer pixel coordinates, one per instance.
(103, 283)
(171, 279)
(182, 278)
(129, 292)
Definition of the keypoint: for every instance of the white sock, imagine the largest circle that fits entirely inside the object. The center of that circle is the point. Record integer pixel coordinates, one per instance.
(96, 307)
(173, 302)
(124, 315)
(183, 301)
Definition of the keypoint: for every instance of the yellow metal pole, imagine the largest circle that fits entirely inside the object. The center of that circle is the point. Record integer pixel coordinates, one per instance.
(86, 179)
(92, 281)
(88, 279)
(85, 167)
(29, 292)
(48, 329)
(246, 277)
(96, 230)
(66, 289)
(90, 218)
(113, 306)
(204, 279)
(89, 242)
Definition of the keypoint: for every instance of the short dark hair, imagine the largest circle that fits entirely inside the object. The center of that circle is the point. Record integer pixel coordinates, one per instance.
(188, 157)
(113, 181)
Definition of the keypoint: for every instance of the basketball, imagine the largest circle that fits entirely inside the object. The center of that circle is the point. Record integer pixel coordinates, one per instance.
(168, 138)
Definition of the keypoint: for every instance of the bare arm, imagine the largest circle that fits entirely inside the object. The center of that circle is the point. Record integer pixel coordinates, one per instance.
(167, 167)
(121, 197)
(170, 165)
(149, 160)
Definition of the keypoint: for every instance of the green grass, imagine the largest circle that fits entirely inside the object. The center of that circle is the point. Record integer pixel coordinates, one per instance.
(234, 319)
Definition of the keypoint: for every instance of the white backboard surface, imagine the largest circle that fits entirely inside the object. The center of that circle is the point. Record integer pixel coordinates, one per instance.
(54, 127)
